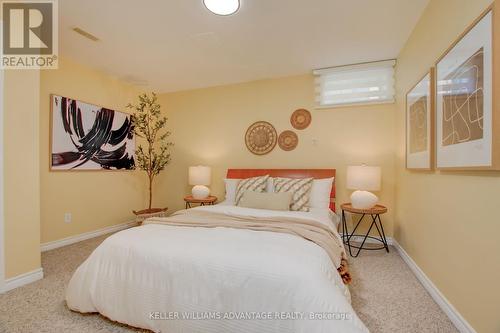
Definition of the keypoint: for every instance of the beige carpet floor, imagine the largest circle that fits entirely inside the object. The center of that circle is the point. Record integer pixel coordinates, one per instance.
(385, 294)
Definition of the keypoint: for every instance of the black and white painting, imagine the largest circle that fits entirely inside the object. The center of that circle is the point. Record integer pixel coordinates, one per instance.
(90, 137)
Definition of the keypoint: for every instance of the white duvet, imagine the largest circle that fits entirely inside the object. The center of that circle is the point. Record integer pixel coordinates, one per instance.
(215, 280)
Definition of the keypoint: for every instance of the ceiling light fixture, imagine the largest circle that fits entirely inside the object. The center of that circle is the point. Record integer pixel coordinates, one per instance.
(222, 7)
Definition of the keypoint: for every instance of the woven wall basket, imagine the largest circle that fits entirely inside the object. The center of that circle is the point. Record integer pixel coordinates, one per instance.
(261, 138)
(300, 119)
(288, 140)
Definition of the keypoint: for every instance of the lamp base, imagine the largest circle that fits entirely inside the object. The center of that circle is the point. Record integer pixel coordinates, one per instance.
(200, 192)
(363, 199)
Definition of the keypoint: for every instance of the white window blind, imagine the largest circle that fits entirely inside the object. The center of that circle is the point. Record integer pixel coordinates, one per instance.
(367, 83)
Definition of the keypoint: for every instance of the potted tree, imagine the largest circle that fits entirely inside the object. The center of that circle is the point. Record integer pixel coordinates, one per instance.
(154, 156)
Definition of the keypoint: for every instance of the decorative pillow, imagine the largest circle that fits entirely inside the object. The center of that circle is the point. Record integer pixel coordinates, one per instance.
(300, 189)
(256, 184)
(231, 185)
(270, 185)
(272, 201)
(320, 193)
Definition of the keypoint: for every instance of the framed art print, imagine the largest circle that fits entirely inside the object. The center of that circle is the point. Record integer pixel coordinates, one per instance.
(464, 100)
(89, 137)
(419, 124)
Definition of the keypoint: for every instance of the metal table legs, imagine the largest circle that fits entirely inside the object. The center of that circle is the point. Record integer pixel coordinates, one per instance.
(377, 222)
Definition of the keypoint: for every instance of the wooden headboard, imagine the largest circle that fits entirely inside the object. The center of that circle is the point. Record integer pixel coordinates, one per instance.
(288, 173)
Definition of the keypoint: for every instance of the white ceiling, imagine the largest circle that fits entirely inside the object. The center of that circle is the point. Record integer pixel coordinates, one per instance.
(170, 45)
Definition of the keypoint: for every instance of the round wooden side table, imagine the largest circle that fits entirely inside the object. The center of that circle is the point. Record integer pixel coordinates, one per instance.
(210, 200)
(375, 213)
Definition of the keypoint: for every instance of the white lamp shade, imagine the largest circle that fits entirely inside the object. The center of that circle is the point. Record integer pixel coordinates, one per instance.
(200, 175)
(366, 178)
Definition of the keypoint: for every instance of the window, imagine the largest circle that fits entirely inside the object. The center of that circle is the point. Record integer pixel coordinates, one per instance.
(368, 83)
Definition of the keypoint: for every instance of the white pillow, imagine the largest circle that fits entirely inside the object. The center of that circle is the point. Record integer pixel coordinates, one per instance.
(319, 197)
(231, 186)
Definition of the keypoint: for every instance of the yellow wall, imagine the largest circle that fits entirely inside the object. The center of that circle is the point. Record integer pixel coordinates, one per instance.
(21, 177)
(209, 126)
(446, 221)
(96, 199)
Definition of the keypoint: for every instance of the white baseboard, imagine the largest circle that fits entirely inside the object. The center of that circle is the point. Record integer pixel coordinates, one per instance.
(23, 279)
(81, 237)
(456, 318)
(37, 274)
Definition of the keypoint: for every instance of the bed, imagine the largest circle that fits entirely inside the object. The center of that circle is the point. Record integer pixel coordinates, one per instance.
(171, 276)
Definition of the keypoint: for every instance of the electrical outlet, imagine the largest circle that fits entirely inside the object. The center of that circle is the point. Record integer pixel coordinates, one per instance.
(67, 217)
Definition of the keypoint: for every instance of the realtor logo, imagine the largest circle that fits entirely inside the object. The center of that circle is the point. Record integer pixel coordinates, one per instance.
(29, 36)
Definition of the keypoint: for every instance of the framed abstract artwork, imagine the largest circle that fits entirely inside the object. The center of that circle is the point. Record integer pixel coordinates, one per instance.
(420, 124)
(89, 137)
(465, 130)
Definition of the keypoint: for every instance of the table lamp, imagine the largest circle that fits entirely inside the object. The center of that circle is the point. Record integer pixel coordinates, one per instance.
(362, 179)
(200, 177)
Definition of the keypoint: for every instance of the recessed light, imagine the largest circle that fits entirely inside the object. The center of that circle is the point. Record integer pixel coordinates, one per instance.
(222, 7)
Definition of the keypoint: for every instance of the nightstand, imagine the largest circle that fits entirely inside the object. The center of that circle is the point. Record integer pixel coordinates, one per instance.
(210, 200)
(375, 213)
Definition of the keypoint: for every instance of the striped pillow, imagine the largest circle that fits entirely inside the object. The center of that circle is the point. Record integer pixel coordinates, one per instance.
(299, 187)
(256, 184)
